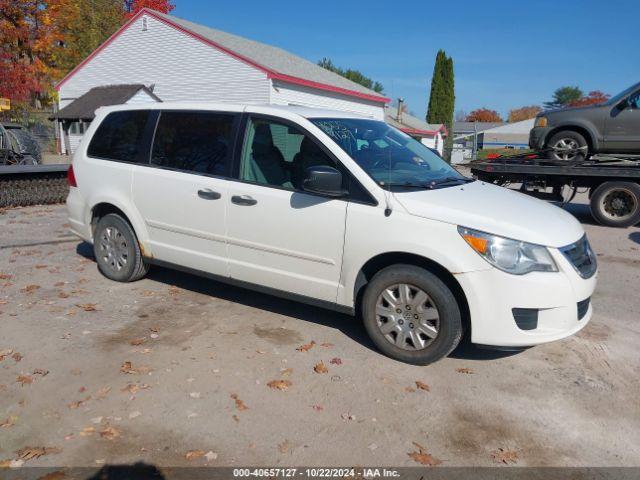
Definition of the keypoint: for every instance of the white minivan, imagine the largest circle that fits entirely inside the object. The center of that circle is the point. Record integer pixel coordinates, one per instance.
(333, 209)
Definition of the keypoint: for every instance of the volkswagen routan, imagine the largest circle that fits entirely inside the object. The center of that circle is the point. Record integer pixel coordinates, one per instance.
(333, 209)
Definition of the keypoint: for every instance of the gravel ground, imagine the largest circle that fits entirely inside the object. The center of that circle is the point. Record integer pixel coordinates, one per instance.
(175, 370)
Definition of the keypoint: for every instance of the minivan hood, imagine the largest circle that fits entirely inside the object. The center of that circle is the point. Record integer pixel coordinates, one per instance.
(496, 210)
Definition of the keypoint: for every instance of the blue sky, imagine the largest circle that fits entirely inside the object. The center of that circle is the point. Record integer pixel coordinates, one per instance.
(506, 53)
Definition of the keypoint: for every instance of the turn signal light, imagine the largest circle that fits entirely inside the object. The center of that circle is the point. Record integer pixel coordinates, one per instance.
(477, 243)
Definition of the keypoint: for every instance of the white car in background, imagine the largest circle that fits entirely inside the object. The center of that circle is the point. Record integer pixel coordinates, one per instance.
(332, 209)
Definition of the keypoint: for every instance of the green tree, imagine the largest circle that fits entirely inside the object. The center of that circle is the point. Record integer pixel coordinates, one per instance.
(353, 75)
(564, 96)
(442, 98)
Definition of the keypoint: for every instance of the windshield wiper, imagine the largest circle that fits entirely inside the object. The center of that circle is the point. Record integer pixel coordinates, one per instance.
(448, 181)
(404, 185)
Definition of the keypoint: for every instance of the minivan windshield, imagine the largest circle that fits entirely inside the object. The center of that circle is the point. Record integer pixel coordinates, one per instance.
(391, 157)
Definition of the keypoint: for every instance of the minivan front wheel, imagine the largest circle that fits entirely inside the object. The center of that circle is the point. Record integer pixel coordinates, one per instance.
(117, 250)
(411, 315)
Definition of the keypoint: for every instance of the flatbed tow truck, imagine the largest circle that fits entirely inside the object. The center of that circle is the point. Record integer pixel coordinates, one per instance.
(612, 182)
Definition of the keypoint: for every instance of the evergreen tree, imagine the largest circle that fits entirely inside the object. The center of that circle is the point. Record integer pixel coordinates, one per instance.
(353, 75)
(442, 97)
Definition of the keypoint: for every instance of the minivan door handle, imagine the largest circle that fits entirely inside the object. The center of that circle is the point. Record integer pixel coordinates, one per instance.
(243, 200)
(208, 194)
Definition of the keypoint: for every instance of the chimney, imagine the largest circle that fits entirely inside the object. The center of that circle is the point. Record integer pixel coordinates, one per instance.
(400, 104)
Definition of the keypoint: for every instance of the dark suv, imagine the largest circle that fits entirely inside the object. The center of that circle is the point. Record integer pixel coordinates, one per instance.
(573, 134)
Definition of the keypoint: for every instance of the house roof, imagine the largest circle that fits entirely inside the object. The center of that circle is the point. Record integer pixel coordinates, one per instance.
(412, 125)
(277, 63)
(84, 107)
(468, 127)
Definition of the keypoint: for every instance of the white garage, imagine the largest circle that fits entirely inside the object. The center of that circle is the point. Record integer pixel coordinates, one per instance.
(175, 59)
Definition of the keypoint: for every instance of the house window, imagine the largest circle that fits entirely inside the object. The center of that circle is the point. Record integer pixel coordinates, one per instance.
(78, 128)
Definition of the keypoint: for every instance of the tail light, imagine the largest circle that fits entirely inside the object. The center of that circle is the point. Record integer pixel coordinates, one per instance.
(71, 178)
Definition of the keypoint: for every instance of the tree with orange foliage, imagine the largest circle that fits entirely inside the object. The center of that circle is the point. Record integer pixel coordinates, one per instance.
(483, 115)
(595, 97)
(131, 7)
(524, 113)
(29, 38)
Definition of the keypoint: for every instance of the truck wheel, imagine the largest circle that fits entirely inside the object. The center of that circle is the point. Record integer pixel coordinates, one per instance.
(616, 204)
(568, 146)
(411, 315)
(117, 250)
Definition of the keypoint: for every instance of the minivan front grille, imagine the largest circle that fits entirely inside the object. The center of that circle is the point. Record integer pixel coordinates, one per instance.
(581, 257)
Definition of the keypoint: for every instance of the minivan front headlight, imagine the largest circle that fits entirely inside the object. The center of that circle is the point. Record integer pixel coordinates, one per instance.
(508, 255)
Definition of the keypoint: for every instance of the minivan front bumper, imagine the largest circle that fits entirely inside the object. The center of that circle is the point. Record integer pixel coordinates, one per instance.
(526, 310)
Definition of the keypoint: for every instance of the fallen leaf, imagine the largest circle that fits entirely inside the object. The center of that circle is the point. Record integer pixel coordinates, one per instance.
(5, 276)
(30, 288)
(317, 408)
(286, 372)
(409, 389)
(40, 266)
(240, 405)
(9, 422)
(422, 385)
(279, 384)
(5, 353)
(58, 284)
(63, 295)
(335, 361)
(326, 345)
(110, 433)
(193, 454)
(79, 403)
(127, 367)
(306, 347)
(284, 447)
(320, 368)
(87, 307)
(133, 387)
(468, 371)
(347, 416)
(41, 371)
(137, 341)
(210, 456)
(103, 392)
(87, 431)
(503, 455)
(236, 418)
(29, 453)
(16, 357)
(25, 379)
(58, 475)
(421, 456)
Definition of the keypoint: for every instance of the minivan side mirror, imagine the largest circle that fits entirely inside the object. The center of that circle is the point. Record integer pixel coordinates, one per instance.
(323, 180)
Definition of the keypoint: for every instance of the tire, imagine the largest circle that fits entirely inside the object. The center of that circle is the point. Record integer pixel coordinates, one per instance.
(117, 251)
(616, 204)
(448, 323)
(568, 139)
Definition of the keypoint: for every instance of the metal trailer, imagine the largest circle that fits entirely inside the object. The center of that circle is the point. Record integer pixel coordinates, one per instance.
(22, 185)
(613, 183)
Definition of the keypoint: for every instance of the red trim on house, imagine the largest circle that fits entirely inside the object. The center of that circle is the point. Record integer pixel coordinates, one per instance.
(270, 73)
(416, 131)
(323, 86)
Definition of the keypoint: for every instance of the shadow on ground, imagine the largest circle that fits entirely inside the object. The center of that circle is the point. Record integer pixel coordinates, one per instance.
(350, 326)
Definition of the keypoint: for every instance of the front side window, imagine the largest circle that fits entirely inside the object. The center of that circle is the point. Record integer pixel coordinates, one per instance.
(199, 142)
(389, 156)
(278, 155)
(119, 136)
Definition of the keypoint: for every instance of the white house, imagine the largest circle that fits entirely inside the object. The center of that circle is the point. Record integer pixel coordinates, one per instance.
(175, 59)
(430, 134)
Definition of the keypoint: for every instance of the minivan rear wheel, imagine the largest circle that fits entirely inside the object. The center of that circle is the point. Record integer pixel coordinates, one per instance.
(117, 251)
(411, 315)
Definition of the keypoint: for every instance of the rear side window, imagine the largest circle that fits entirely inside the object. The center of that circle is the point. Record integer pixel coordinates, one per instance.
(199, 142)
(119, 136)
